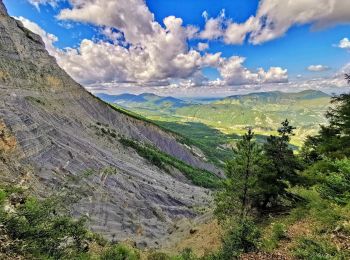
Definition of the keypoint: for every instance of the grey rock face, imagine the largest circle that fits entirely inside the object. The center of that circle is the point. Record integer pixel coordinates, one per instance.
(52, 123)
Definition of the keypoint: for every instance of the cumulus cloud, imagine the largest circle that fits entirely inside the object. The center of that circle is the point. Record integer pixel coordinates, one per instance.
(334, 84)
(233, 72)
(147, 64)
(275, 17)
(344, 44)
(132, 17)
(152, 53)
(141, 51)
(273, 75)
(318, 68)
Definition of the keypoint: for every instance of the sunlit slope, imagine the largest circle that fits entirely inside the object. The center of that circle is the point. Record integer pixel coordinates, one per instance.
(215, 127)
(262, 111)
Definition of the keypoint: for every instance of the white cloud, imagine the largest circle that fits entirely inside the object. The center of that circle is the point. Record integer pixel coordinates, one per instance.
(218, 87)
(132, 17)
(213, 27)
(205, 15)
(202, 46)
(273, 75)
(160, 58)
(317, 68)
(344, 44)
(233, 72)
(236, 33)
(275, 17)
(37, 3)
(157, 55)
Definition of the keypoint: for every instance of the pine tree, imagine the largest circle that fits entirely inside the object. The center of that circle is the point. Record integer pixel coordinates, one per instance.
(240, 189)
(280, 167)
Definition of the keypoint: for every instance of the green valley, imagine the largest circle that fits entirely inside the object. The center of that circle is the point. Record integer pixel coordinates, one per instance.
(220, 123)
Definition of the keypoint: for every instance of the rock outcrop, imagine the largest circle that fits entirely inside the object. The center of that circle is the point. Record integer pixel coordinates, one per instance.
(50, 143)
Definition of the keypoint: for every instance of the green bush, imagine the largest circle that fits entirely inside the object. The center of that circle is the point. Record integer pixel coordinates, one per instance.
(186, 254)
(336, 184)
(120, 252)
(40, 230)
(243, 238)
(278, 232)
(158, 256)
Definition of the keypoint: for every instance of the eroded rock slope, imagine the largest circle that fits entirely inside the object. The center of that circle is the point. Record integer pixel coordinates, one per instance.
(50, 142)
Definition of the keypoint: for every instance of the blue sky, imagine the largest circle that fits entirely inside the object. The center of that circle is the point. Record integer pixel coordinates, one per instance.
(305, 45)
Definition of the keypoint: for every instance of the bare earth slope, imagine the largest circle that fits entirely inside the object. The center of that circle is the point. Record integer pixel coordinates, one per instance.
(48, 123)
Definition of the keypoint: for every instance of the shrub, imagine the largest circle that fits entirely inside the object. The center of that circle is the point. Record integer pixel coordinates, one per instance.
(336, 184)
(278, 232)
(243, 238)
(120, 252)
(158, 256)
(187, 254)
(40, 230)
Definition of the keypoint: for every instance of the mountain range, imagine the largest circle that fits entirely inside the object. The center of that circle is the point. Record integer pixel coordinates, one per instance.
(219, 122)
(144, 101)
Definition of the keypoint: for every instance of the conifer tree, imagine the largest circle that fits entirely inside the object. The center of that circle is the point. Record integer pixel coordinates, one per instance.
(240, 190)
(280, 167)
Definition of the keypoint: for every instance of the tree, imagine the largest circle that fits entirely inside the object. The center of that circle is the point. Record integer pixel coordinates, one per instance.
(280, 167)
(333, 140)
(240, 187)
(234, 205)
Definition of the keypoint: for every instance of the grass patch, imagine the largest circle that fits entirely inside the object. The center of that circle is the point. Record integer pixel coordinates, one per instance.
(308, 248)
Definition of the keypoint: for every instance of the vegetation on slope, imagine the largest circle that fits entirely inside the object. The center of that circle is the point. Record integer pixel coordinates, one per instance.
(31, 228)
(162, 160)
(236, 115)
(212, 142)
(276, 203)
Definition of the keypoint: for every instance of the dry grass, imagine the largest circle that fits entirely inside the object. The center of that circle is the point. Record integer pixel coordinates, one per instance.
(202, 236)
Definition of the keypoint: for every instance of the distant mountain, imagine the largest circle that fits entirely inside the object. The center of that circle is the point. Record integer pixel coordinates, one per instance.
(263, 111)
(115, 99)
(278, 96)
(145, 101)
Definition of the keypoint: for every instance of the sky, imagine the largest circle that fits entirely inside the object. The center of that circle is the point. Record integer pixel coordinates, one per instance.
(191, 48)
